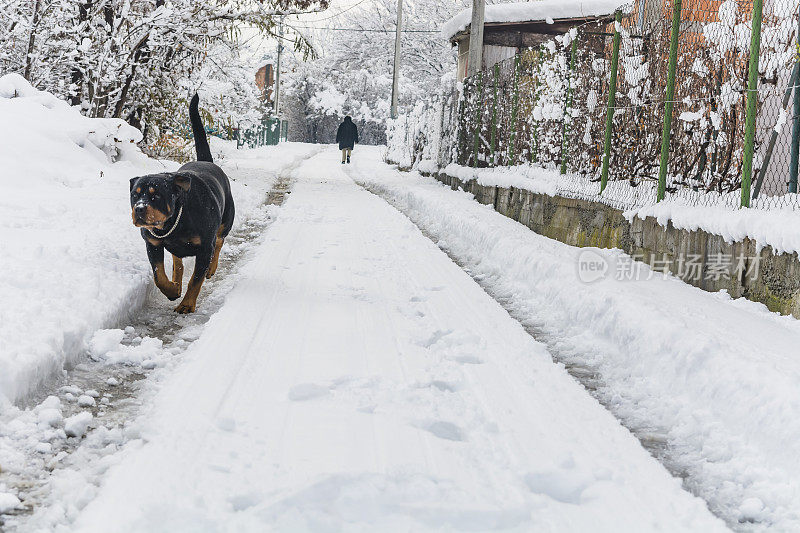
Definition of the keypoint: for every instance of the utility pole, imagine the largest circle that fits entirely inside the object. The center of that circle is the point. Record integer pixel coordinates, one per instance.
(476, 38)
(277, 99)
(396, 74)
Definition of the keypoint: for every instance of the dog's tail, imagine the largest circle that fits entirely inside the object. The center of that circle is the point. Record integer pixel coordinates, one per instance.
(200, 139)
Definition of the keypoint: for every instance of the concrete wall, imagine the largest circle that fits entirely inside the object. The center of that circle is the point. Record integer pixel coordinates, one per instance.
(773, 279)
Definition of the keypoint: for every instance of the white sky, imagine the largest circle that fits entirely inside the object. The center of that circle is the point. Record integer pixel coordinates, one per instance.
(261, 45)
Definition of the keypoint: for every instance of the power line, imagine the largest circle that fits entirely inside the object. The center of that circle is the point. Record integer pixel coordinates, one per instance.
(342, 12)
(365, 30)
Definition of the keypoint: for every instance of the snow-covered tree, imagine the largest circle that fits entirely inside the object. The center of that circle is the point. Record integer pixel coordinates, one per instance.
(353, 73)
(134, 59)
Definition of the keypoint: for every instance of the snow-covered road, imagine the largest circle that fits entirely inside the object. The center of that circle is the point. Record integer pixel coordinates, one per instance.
(356, 378)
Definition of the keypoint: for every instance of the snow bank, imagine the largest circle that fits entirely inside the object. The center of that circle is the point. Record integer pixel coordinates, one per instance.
(778, 228)
(766, 224)
(108, 140)
(539, 10)
(716, 379)
(72, 261)
(527, 177)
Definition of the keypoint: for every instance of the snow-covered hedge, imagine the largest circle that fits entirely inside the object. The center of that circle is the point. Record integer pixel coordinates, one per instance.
(424, 137)
(548, 106)
(425, 140)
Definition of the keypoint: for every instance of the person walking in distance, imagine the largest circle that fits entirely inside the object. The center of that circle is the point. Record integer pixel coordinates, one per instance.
(347, 137)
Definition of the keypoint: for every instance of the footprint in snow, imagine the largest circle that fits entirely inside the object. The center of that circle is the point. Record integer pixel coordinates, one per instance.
(435, 337)
(226, 424)
(444, 386)
(468, 359)
(445, 430)
(307, 391)
(243, 501)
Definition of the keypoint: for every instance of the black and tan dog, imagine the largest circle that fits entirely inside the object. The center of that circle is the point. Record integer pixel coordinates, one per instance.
(188, 212)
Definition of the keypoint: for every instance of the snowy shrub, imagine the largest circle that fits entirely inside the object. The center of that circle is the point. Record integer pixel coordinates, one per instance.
(423, 138)
(107, 139)
(548, 105)
(135, 59)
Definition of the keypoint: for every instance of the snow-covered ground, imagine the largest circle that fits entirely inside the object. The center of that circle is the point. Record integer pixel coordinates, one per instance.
(73, 264)
(357, 379)
(102, 394)
(71, 260)
(715, 379)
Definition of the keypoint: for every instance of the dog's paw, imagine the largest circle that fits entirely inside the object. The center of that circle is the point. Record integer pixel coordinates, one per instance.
(184, 308)
(171, 291)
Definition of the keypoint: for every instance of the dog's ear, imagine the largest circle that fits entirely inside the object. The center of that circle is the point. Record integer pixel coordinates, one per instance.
(133, 181)
(183, 181)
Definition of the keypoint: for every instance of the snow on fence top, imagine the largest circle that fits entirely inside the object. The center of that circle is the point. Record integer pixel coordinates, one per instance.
(538, 10)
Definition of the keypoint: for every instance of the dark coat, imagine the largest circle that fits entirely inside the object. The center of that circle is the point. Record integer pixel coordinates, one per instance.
(347, 134)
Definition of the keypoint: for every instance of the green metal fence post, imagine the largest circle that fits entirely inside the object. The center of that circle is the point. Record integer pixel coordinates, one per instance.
(795, 150)
(670, 99)
(568, 107)
(752, 101)
(514, 111)
(493, 138)
(612, 101)
(478, 118)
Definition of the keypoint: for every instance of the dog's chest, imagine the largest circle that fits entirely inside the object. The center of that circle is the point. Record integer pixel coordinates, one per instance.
(183, 245)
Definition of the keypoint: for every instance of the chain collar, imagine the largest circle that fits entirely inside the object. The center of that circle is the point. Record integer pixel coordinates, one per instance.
(167, 234)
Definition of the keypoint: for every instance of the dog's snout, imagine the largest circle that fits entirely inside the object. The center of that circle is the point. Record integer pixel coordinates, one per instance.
(140, 209)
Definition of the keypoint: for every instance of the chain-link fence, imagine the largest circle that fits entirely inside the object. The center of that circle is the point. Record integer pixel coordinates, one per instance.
(648, 103)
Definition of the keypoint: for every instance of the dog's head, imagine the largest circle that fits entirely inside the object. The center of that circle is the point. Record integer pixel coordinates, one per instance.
(154, 197)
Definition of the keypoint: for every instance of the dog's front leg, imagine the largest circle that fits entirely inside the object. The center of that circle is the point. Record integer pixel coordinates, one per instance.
(177, 272)
(201, 264)
(170, 289)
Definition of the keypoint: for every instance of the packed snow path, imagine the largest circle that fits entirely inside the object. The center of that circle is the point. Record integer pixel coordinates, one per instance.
(357, 378)
(708, 382)
(108, 383)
